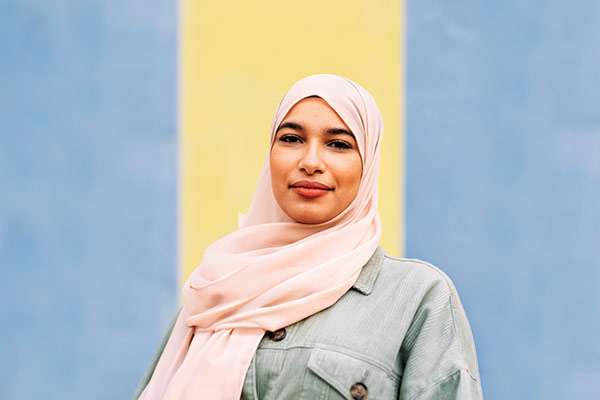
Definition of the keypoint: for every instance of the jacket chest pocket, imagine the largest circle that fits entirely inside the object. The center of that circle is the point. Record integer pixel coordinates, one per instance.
(333, 375)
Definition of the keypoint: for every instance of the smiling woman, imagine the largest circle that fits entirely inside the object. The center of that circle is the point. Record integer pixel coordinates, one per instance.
(301, 301)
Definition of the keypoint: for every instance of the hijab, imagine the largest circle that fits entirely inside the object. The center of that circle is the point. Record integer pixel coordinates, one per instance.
(272, 271)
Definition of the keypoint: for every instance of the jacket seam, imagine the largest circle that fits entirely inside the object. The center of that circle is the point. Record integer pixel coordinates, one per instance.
(460, 338)
(436, 383)
(430, 266)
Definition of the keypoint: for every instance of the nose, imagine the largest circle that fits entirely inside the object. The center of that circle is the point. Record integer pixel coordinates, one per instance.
(311, 161)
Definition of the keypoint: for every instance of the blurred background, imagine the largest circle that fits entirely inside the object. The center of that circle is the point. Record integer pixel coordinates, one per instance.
(132, 134)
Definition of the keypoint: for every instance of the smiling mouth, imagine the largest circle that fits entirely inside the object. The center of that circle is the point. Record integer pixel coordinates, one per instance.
(310, 189)
(310, 192)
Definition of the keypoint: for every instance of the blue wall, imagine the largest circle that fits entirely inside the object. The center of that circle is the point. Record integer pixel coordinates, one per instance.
(503, 182)
(88, 168)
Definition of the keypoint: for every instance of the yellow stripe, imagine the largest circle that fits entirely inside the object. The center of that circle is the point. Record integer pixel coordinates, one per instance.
(237, 60)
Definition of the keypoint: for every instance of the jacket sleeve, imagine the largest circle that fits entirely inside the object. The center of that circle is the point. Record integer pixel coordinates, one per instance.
(148, 375)
(438, 352)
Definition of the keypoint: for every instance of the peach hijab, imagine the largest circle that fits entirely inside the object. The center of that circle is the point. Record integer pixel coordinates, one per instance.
(272, 271)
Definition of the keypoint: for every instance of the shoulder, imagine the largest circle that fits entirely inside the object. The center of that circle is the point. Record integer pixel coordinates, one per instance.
(435, 306)
(417, 276)
(424, 290)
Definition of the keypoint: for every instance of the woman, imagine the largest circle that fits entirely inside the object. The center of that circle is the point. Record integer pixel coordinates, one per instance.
(300, 302)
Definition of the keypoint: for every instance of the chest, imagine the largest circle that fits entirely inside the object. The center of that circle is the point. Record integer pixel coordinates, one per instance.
(352, 350)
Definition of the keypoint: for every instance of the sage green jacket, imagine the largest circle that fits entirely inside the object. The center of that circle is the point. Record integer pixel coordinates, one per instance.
(399, 333)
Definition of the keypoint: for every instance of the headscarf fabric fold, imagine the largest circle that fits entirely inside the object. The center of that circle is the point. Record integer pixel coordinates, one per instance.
(272, 271)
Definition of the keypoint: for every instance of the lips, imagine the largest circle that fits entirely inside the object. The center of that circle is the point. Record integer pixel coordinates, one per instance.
(310, 189)
(310, 185)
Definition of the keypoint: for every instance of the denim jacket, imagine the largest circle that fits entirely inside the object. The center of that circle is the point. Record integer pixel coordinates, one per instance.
(399, 333)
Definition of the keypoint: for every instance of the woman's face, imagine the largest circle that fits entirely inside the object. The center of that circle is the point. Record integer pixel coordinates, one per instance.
(315, 163)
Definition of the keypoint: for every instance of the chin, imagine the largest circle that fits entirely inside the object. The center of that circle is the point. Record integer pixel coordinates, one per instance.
(307, 217)
(311, 220)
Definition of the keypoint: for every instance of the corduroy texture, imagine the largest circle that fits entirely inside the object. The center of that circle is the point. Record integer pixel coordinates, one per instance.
(272, 271)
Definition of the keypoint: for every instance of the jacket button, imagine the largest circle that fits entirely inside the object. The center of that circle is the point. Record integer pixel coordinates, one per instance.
(277, 335)
(359, 391)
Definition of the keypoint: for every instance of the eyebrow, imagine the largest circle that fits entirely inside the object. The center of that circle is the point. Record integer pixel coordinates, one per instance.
(331, 131)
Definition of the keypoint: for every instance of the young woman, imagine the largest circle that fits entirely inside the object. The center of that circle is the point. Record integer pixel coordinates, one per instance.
(300, 302)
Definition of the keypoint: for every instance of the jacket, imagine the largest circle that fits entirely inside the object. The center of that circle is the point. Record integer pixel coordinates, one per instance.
(400, 332)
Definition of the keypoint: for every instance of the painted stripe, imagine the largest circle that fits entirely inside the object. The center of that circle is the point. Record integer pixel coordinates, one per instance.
(236, 63)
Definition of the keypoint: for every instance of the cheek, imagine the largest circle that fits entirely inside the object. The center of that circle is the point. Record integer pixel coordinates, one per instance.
(279, 167)
(349, 172)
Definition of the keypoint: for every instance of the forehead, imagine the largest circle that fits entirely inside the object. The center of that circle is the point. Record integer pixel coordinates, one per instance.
(314, 108)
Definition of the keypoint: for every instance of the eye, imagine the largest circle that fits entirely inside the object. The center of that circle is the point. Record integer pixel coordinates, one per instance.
(289, 138)
(340, 144)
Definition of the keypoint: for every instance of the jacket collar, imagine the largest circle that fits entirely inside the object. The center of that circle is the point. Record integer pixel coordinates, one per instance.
(369, 272)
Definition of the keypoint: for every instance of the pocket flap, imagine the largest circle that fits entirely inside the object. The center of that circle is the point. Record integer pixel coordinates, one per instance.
(341, 371)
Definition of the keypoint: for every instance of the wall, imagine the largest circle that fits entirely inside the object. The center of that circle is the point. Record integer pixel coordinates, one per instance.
(89, 192)
(503, 182)
(502, 174)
